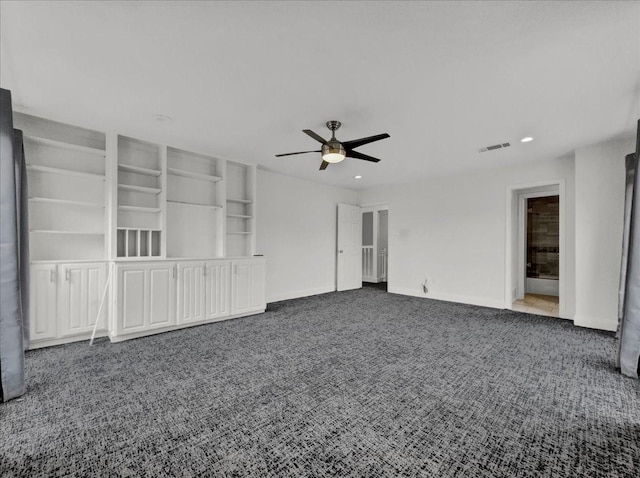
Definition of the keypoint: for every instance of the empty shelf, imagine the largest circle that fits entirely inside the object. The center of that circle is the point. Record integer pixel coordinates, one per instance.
(191, 174)
(66, 201)
(138, 170)
(242, 201)
(61, 144)
(193, 204)
(68, 172)
(84, 233)
(239, 216)
(139, 189)
(238, 232)
(138, 209)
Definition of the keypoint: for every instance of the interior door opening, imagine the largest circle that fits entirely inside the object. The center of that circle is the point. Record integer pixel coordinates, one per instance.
(536, 256)
(375, 246)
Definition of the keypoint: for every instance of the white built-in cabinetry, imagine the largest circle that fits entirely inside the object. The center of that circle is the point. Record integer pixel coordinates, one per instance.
(64, 300)
(175, 228)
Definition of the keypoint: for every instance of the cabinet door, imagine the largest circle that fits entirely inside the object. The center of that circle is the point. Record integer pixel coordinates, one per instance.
(132, 299)
(146, 297)
(42, 307)
(248, 286)
(80, 292)
(161, 295)
(257, 296)
(218, 288)
(191, 292)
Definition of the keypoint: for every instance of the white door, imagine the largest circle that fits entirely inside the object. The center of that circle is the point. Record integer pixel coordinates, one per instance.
(42, 310)
(349, 247)
(81, 290)
(191, 292)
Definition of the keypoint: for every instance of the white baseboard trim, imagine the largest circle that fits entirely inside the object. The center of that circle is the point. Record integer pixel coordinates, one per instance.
(596, 323)
(461, 299)
(38, 344)
(296, 294)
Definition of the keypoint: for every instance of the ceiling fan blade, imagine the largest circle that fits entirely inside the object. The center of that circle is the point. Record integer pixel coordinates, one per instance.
(299, 152)
(315, 136)
(359, 142)
(357, 155)
(324, 165)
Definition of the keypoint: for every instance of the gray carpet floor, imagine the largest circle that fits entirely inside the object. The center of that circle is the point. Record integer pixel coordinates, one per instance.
(358, 383)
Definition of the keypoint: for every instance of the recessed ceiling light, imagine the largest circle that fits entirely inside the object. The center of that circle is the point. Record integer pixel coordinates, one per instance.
(358, 177)
(162, 118)
(526, 139)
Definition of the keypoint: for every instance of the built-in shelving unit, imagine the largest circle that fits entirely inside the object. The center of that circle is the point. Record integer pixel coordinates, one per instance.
(194, 205)
(240, 239)
(66, 182)
(140, 197)
(170, 231)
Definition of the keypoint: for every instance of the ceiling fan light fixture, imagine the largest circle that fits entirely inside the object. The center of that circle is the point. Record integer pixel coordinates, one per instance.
(333, 153)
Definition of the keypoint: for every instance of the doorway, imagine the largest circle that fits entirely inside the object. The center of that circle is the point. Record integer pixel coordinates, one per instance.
(375, 246)
(541, 256)
(535, 262)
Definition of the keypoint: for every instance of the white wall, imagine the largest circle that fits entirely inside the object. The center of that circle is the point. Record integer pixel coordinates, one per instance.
(453, 231)
(296, 231)
(600, 183)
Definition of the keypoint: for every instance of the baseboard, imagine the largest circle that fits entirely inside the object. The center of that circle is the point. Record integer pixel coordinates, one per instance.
(39, 344)
(174, 328)
(461, 299)
(296, 294)
(595, 323)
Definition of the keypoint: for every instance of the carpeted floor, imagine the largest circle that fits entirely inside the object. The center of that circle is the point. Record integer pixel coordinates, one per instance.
(358, 383)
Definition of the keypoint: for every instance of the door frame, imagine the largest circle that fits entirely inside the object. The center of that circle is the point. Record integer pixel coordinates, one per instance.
(516, 233)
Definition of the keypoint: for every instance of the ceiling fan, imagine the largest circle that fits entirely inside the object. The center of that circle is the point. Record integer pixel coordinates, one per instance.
(333, 151)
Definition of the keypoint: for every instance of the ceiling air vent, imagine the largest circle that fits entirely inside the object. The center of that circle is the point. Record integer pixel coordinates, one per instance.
(495, 146)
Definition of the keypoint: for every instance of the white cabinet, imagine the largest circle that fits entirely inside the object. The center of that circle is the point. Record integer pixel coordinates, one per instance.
(170, 295)
(65, 299)
(42, 311)
(145, 297)
(248, 286)
(81, 287)
(203, 291)
(191, 292)
(217, 289)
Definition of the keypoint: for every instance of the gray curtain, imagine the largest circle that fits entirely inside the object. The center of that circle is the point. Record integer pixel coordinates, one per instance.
(14, 260)
(629, 298)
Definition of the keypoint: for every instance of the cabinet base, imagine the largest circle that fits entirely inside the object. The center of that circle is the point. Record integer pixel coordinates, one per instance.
(39, 344)
(146, 333)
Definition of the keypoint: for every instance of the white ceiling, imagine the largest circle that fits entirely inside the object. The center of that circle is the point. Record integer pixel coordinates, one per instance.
(241, 80)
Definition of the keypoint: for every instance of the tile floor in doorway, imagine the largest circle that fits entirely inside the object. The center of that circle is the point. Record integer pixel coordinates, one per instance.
(538, 304)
